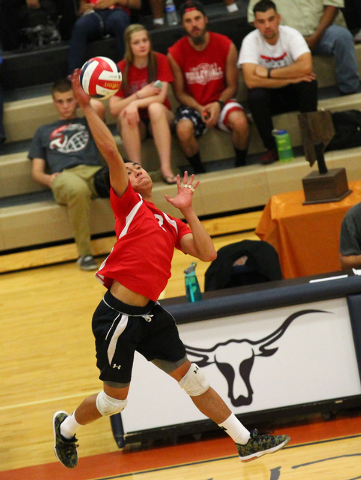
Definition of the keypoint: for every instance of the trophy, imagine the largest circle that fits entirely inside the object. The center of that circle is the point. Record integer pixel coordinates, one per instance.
(322, 186)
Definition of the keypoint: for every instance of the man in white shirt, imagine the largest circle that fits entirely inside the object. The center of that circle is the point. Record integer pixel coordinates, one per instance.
(323, 26)
(277, 68)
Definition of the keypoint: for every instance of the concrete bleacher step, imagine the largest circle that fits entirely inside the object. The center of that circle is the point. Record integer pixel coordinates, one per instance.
(231, 190)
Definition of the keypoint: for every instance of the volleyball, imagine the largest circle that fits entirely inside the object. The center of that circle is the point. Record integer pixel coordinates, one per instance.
(100, 77)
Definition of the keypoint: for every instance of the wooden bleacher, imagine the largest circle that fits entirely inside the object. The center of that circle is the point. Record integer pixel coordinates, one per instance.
(43, 222)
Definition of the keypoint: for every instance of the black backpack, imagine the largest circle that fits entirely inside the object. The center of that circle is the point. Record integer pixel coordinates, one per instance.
(348, 130)
(261, 264)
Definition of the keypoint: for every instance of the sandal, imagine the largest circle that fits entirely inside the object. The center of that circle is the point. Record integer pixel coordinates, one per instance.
(170, 179)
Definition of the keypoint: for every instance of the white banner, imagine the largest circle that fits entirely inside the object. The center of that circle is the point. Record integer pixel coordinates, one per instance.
(256, 361)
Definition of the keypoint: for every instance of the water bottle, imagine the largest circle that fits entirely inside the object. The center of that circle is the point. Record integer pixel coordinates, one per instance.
(192, 286)
(284, 146)
(171, 13)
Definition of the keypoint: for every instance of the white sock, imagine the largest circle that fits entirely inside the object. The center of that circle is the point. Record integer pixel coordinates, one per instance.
(69, 427)
(235, 430)
(232, 7)
(158, 21)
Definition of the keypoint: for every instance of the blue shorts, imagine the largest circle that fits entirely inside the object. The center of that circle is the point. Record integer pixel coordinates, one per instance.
(195, 117)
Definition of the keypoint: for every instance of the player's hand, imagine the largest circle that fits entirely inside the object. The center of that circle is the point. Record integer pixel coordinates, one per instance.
(83, 98)
(186, 188)
(210, 114)
(148, 91)
(309, 77)
(102, 4)
(33, 4)
(131, 113)
(312, 41)
(261, 71)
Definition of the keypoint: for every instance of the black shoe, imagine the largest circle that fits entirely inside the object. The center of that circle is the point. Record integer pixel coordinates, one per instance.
(65, 450)
(270, 157)
(87, 262)
(259, 445)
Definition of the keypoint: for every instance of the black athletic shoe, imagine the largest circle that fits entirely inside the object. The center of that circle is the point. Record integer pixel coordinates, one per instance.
(259, 445)
(65, 450)
(87, 262)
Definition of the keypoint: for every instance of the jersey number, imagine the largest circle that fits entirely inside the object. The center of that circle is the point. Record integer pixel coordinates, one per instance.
(160, 221)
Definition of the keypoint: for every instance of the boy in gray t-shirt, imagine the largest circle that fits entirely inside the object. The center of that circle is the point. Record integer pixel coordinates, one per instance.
(65, 158)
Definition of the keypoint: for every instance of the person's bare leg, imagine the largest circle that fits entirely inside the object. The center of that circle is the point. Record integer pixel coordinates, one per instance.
(157, 8)
(187, 140)
(238, 123)
(132, 136)
(99, 107)
(160, 120)
(209, 403)
(87, 411)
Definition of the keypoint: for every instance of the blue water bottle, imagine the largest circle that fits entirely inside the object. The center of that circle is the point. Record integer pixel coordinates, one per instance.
(284, 146)
(193, 291)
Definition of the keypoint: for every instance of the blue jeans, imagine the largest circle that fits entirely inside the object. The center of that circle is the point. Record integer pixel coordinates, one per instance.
(338, 42)
(93, 26)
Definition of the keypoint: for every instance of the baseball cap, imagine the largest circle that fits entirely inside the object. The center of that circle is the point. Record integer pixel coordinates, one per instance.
(191, 5)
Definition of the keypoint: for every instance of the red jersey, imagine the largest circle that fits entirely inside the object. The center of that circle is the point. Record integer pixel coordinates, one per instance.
(141, 257)
(138, 78)
(203, 71)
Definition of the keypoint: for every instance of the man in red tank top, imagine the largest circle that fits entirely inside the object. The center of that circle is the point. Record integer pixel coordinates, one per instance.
(205, 73)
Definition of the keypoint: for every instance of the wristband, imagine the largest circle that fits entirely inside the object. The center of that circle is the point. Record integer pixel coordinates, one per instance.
(221, 103)
(269, 72)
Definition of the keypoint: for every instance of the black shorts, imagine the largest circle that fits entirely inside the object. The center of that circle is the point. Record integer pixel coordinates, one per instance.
(121, 329)
(194, 116)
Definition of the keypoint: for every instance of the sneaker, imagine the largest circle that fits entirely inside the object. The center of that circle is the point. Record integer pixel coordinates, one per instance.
(269, 157)
(65, 450)
(87, 262)
(259, 445)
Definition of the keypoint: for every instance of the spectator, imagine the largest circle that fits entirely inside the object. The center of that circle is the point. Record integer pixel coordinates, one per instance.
(141, 107)
(157, 8)
(2, 130)
(99, 18)
(205, 72)
(350, 239)
(277, 68)
(320, 21)
(65, 159)
(12, 13)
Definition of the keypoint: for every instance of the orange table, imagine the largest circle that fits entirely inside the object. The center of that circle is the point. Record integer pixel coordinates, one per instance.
(306, 237)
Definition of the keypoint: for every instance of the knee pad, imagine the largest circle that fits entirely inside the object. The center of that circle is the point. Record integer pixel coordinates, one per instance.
(194, 381)
(109, 406)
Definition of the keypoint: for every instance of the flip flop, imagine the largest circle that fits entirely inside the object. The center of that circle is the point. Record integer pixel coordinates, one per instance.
(170, 179)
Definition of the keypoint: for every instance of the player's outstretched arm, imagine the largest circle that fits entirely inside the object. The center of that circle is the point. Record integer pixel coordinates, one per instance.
(198, 244)
(103, 139)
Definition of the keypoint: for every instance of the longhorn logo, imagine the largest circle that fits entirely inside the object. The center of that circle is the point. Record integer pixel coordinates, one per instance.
(245, 352)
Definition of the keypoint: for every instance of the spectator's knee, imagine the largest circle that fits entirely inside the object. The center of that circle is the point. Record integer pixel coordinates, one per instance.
(185, 130)
(238, 122)
(156, 110)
